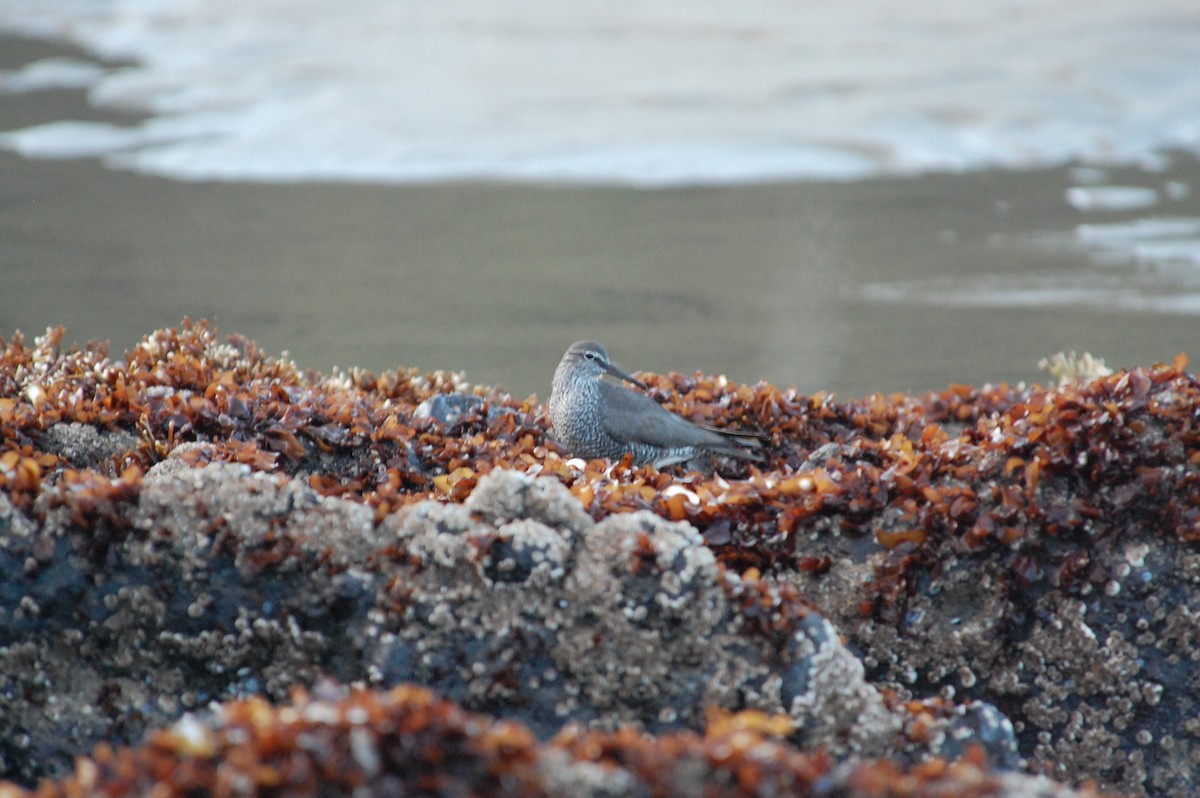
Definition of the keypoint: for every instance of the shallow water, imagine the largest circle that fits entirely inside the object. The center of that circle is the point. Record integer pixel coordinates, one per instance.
(877, 285)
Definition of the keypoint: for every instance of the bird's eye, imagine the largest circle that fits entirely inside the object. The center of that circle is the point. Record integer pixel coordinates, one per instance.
(590, 355)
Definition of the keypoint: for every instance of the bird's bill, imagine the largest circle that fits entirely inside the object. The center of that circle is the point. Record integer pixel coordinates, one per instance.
(616, 372)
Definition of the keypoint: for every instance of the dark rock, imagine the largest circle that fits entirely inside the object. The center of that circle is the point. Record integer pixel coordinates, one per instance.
(449, 408)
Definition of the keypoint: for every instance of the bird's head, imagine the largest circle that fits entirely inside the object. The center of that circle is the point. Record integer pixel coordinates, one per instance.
(593, 358)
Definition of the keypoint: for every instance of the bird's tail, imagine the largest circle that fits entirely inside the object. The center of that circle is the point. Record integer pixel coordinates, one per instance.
(742, 443)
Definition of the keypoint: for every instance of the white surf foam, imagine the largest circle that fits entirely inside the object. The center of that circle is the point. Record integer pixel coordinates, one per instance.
(653, 93)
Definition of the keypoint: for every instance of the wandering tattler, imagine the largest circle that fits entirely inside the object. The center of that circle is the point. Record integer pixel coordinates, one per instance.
(593, 418)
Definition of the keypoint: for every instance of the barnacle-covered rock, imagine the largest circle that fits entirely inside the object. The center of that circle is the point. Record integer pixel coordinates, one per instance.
(86, 446)
(197, 521)
(215, 582)
(556, 618)
(135, 602)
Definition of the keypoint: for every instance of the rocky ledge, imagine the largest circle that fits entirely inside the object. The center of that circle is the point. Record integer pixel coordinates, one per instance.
(977, 592)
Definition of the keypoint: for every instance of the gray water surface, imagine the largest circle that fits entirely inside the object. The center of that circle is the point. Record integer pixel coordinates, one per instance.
(880, 285)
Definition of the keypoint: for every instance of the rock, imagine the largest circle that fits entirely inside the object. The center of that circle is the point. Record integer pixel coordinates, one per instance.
(86, 446)
(219, 582)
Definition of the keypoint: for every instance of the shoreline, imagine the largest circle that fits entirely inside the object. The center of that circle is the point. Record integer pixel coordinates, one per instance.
(755, 282)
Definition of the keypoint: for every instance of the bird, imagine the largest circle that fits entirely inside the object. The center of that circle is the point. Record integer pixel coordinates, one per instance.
(597, 419)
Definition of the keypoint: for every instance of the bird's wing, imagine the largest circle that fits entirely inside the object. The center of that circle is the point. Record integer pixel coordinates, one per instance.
(632, 417)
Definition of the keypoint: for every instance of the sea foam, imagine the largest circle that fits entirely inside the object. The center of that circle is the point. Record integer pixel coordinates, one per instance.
(661, 92)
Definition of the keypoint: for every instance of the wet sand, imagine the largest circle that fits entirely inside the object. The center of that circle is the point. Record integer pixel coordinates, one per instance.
(758, 282)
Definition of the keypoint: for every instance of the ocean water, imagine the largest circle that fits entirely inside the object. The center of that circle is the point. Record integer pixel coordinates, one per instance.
(654, 93)
(855, 197)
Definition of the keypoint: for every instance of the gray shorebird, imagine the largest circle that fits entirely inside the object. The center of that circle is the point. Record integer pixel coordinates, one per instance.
(593, 418)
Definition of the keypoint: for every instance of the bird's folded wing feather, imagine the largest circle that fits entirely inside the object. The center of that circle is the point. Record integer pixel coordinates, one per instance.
(635, 418)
